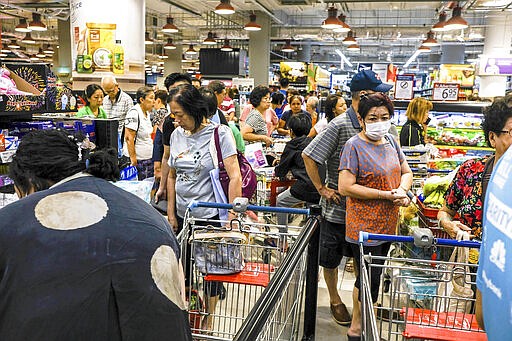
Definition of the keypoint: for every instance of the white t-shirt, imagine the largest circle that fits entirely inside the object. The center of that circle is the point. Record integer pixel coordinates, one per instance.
(143, 144)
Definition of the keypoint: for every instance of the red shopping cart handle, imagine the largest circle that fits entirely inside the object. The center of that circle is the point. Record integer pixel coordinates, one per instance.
(433, 325)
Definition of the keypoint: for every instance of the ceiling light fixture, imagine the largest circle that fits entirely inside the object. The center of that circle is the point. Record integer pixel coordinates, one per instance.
(190, 50)
(345, 27)
(424, 48)
(4, 50)
(169, 27)
(456, 22)
(13, 45)
(353, 47)
(210, 39)
(343, 57)
(288, 46)
(252, 25)
(169, 45)
(431, 40)
(49, 50)
(147, 39)
(349, 40)
(440, 25)
(226, 47)
(34, 58)
(332, 20)
(224, 8)
(40, 53)
(36, 24)
(412, 59)
(2, 54)
(28, 39)
(22, 26)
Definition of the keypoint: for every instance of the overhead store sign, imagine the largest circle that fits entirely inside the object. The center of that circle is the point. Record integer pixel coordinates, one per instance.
(446, 92)
(296, 72)
(490, 65)
(404, 87)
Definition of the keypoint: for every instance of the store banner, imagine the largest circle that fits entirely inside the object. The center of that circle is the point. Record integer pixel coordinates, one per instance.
(491, 65)
(108, 37)
(322, 78)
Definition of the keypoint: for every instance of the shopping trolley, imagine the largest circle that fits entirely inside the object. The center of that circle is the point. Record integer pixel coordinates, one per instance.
(230, 265)
(416, 299)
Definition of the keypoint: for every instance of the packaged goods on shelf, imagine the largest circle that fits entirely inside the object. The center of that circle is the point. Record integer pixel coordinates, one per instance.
(264, 177)
(456, 137)
(57, 97)
(24, 99)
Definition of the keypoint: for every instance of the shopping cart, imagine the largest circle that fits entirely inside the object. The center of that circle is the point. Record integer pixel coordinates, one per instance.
(237, 260)
(416, 299)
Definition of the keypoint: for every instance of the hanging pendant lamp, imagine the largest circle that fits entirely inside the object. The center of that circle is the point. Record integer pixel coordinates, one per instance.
(349, 40)
(332, 20)
(224, 8)
(345, 27)
(440, 25)
(288, 46)
(169, 27)
(36, 24)
(252, 25)
(456, 22)
(226, 47)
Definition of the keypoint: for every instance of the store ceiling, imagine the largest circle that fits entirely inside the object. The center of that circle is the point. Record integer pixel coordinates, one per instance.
(387, 31)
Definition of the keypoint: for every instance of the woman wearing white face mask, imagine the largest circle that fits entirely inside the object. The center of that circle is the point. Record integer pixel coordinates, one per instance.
(375, 178)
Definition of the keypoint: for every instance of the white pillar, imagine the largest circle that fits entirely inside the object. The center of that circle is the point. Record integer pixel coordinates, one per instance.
(259, 51)
(498, 38)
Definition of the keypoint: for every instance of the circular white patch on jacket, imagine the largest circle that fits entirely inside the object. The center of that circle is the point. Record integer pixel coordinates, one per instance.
(165, 270)
(70, 210)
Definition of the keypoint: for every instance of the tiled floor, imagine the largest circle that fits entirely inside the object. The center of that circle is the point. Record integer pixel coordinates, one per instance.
(326, 328)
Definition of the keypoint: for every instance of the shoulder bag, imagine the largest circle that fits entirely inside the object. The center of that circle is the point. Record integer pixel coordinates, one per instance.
(249, 181)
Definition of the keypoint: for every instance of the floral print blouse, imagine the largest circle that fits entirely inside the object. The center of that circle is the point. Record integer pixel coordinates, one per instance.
(464, 195)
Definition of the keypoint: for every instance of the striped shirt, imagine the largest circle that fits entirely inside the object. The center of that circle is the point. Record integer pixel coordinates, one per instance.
(326, 148)
(118, 108)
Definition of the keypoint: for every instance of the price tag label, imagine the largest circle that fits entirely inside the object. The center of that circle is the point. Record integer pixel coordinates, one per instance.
(446, 92)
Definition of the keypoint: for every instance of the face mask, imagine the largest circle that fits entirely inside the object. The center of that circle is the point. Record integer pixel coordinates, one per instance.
(376, 131)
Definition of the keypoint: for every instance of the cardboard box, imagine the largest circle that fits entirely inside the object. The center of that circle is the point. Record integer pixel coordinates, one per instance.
(23, 103)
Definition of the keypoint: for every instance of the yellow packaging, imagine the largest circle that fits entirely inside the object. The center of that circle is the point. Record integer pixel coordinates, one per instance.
(101, 43)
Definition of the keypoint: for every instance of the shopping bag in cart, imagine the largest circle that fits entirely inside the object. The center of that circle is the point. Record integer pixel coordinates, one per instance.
(457, 280)
(218, 252)
(195, 308)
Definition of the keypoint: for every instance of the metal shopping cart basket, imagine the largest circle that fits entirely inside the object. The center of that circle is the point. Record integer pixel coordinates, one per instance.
(233, 264)
(418, 302)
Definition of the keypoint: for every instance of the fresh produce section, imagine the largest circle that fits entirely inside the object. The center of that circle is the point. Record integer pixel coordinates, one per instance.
(434, 189)
(456, 137)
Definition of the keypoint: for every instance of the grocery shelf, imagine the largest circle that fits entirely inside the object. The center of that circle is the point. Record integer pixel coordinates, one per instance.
(440, 146)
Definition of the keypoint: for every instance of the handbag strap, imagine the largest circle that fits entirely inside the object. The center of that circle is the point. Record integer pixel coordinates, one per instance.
(217, 148)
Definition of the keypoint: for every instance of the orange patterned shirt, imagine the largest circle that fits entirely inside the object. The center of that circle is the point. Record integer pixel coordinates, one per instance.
(375, 166)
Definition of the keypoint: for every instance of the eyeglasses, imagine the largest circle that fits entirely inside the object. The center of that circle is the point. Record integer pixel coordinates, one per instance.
(506, 132)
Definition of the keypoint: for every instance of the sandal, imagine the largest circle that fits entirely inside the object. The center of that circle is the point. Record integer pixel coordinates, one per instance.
(349, 266)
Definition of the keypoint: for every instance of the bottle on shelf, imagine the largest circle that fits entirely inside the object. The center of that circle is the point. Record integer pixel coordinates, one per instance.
(118, 58)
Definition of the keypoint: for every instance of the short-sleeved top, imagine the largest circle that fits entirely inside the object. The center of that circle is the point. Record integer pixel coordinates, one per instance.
(495, 262)
(119, 107)
(86, 112)
(256, 122)
(167, 129)
(227, 106)
(190, 156)
(143, 143)
(287, 114)
(83, 276)
(326, 147)
(464, 194)
(375, 166)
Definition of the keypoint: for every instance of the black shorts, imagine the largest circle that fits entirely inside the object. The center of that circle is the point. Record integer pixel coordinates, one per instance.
(333, 245)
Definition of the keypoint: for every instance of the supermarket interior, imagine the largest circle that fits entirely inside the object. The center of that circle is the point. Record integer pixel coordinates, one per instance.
(161, 91)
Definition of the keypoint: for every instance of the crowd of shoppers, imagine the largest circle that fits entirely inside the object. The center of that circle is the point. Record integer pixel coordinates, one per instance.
(347, 159)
